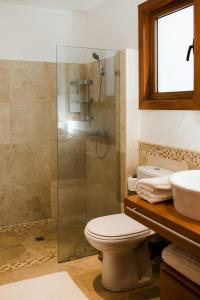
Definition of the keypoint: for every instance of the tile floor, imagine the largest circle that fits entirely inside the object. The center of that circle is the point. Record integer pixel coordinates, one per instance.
(23, 257)
(86, 274)
(19, 247)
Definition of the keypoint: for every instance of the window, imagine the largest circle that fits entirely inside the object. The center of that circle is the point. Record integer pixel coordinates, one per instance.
(169, 32)
(175, 32)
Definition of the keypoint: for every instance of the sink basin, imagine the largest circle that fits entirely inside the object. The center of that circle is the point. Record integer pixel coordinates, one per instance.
(186, 193)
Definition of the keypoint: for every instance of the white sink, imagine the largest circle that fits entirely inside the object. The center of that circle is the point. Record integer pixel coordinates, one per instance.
(186, 193)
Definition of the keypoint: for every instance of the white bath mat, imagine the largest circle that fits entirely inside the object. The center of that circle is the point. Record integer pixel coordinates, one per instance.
(57, 286)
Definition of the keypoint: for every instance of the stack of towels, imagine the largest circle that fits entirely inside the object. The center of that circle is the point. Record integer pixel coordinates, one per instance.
(183, 262)
(154, 190)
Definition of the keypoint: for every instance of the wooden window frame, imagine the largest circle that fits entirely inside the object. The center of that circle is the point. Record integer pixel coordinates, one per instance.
(149, 11)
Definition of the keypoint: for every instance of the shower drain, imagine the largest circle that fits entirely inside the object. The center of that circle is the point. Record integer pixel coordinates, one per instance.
(39, 238)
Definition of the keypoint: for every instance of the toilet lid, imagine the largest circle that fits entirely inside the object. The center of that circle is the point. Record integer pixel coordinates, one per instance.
(115, 226)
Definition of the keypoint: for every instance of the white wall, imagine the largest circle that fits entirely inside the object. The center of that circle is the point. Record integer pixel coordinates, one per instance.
(114, 24)
(32, 33)
(79, 29)
(132, 112)
(175, 128)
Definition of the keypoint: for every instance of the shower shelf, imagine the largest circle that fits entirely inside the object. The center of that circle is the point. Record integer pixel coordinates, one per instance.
(86, 82)
(86, 119)
(87, 101)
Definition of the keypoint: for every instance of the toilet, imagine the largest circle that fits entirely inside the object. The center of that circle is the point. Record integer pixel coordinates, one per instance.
(118, 237)
(124, 243)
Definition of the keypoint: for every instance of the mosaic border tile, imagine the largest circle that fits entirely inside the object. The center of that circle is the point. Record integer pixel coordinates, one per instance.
(24, 226)
(82, 218)
(172, 153)
(27, 263)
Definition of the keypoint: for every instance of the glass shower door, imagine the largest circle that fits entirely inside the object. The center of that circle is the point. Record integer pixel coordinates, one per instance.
(88, 143)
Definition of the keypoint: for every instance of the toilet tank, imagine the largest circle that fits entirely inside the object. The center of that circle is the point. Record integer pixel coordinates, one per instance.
(146, 172)
(151, 171)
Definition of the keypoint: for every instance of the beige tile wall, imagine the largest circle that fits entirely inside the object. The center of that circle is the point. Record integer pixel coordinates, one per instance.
(71, 155)
(27, 140)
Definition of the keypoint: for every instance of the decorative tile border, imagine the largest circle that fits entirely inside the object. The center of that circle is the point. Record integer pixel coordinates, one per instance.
(24, 226)
(172, 153)
(27, 263)
(65, 220)
(81, 218)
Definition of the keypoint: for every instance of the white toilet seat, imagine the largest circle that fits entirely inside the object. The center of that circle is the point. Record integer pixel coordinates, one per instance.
(117, 238)
(115, 227)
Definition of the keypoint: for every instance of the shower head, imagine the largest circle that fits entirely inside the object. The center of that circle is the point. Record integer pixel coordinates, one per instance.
(95, 56)
(101, 68)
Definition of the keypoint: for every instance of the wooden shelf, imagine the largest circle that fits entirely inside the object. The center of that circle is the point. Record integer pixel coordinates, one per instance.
(164, 219)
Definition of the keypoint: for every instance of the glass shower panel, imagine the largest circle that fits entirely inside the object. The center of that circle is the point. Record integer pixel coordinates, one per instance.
(88, 143)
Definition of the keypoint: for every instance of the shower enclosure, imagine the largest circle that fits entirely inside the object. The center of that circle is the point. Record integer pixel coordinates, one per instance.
(82, 181)
(88, 182)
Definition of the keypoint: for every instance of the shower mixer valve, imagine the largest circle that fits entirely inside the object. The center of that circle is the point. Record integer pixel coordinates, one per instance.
(98, 133)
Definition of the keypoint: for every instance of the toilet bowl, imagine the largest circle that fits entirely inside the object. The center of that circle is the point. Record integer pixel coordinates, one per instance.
(123, 241)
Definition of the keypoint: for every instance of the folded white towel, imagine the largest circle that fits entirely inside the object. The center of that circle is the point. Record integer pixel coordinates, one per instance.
(154, 190)
(183, 262)
(153, 198)
(154, 185)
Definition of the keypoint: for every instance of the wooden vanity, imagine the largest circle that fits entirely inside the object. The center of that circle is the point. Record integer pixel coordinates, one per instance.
(166, 221)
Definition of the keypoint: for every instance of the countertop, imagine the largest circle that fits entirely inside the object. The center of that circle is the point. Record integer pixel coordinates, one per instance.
(165, 220)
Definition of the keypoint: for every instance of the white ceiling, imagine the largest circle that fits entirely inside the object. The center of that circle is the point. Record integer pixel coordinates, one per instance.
(83, 5)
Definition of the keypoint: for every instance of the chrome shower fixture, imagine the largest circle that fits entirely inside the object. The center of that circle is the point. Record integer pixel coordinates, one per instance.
(101, 68)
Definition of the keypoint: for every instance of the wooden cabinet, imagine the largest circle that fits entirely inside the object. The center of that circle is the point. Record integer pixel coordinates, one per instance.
(174, 286)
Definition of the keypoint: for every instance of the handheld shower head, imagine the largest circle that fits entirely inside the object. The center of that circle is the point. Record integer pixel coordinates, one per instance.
(101, 68)
(95, 56)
